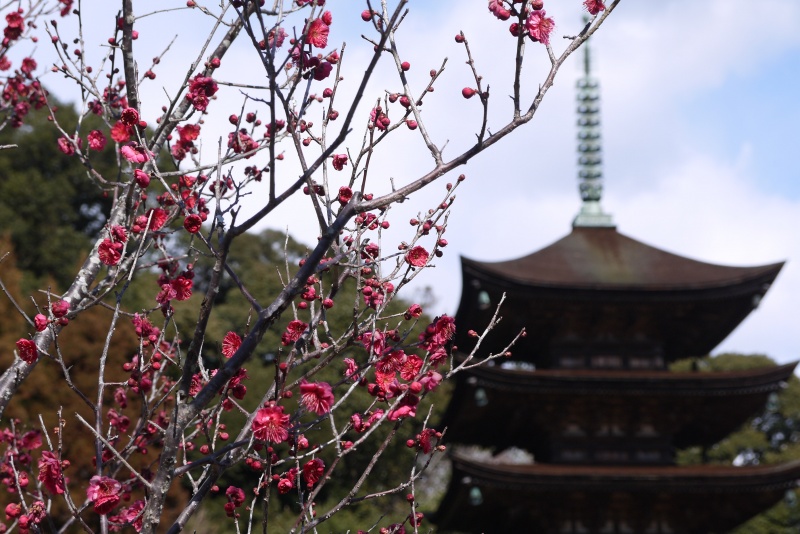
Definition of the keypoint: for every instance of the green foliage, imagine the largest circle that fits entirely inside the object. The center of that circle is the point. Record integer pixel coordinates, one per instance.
(783, 518)
(47, 203)
(770, 437)
(262, 261)
(727, 361)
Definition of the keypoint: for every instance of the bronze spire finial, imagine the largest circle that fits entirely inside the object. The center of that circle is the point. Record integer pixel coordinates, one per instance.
(590, 158)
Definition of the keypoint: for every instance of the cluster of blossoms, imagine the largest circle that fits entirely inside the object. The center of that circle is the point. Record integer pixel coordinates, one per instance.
(275, 39)
(125, 128)
(110, 249)
(379, 119)
(424, 441)
(20, 91)
(393, 365)
(241, 142)
(27, 522)
(293, 332)
(26, 348)
(235, 500)
(274, 128)
(174, 285)
(316, 36)
(15, 25)
(17, 458)
(145, 371)
(15, 465)
(436, 336)
(131, 515)
(363, 422)
(122, 131)
(390, 375)
(153, 220)
(142, 376)
(201, 89)
(115, 100)
(234, 387)
(534, 20)
(186, 191)
(271, 424)
(145, 331)
(369, 221)
(187, 135)
(308, 295)
(105, 494)
(311, 473)
(374, 292)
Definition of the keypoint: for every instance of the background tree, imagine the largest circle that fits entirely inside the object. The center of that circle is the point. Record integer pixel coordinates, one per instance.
(47, 205)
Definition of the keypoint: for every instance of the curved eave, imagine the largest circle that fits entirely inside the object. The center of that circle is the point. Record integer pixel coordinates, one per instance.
(632, 382)
(540, 498)
(523, 408)
(603, 259)
(605, 478)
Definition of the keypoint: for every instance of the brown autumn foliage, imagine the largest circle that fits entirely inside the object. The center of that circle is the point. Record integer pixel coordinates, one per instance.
(40, 401)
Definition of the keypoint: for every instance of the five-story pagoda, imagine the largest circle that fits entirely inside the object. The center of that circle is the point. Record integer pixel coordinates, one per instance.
(587, 392)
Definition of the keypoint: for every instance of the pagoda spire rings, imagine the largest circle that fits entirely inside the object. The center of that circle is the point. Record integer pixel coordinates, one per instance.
(590, 152)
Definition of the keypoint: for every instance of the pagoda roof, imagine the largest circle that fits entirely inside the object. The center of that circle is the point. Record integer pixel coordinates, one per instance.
(690, 478)
(603, 259)
(521, 407)
(536, 497)
(634, 382)
(599, 286)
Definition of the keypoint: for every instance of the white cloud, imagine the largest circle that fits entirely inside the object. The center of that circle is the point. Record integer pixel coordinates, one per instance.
(713, 211)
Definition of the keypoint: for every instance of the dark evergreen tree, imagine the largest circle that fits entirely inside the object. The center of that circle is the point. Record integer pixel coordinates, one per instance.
(47, 204)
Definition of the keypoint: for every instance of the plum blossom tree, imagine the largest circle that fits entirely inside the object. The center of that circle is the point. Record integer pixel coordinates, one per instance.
(175, 205)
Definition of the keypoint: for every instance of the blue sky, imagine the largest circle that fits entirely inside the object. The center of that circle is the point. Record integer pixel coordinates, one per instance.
(700, 125)
(764, 103)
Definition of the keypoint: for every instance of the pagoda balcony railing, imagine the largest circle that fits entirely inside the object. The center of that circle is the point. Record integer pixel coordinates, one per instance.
(611, 451)
(609, 361)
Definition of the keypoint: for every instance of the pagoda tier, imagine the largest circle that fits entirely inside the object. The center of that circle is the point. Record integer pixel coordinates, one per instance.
(604, 417)
(600, 299)
(598, 499)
